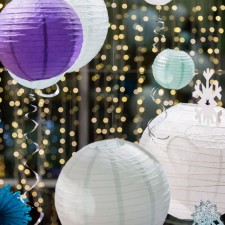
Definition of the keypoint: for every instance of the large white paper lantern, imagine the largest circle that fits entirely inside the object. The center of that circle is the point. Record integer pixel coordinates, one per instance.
(192, 156)
(158, 2)
(112, 182)
(94, 19)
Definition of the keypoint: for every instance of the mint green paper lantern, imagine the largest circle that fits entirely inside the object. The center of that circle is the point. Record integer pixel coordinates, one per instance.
(173, 69)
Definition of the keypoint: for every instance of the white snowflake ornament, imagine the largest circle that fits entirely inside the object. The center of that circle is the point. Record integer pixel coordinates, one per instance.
(207, 100)
(206, 214)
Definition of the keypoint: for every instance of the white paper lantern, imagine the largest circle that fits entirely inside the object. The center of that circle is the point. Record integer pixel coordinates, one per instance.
(158, 2)
(112, 182)
(39, 84)
(94, 19)
(192, 156)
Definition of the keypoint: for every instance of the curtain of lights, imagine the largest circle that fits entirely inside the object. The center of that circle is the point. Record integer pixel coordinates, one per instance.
(111, 97)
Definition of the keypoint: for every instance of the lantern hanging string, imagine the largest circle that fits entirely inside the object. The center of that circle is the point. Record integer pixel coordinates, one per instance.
(114, 77)
(150, 129)
(159, 27)
(57, 91)
(37, 149)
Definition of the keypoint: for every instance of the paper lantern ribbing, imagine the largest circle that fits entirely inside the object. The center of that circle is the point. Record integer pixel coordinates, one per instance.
(173, 69)
(39, 84)
(94, 19)
(112, 182)
(158, 2)
(192, 156)
(39, 40)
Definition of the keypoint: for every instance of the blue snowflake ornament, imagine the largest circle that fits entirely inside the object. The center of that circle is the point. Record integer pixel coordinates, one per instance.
(13, 210)
(206, 214)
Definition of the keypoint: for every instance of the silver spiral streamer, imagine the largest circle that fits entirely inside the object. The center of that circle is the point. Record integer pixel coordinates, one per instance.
(37, 149)
(160, 27)
(150, 129)
(57, 91)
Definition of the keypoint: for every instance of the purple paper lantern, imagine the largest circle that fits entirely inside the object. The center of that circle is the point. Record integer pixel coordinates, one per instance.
(39, 39)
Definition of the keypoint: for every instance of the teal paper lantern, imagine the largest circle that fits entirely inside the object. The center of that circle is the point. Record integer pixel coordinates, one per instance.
(173, 69)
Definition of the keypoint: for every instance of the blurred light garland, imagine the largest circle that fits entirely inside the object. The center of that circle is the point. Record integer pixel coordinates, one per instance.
(117, 74)
(124, 65)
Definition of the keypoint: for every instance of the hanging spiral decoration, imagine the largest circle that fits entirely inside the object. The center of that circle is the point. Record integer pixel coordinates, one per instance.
(150, 129)
(55, 93)
(160, 27)
(37, 149)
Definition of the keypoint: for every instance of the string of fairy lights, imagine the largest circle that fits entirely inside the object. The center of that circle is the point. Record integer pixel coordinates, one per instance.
(120, 82)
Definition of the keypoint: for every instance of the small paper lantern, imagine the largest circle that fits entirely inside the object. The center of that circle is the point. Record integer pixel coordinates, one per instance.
(94, 19)
(192, 155)
(173, 69)
(158, 2)
(39, 84)
(38, 39)
(112, 182)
